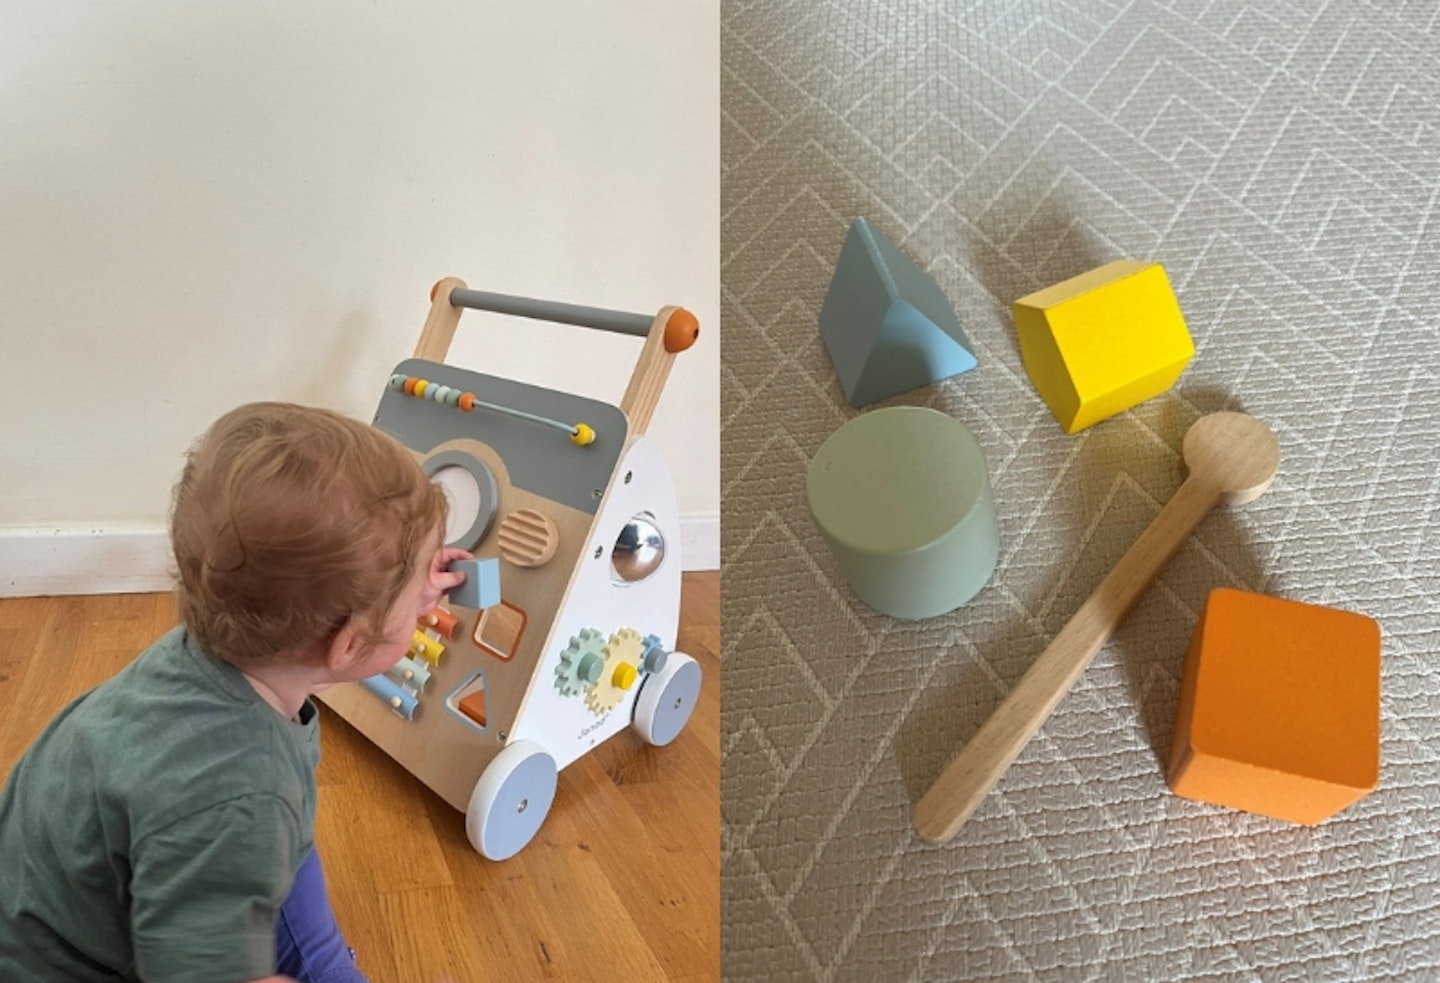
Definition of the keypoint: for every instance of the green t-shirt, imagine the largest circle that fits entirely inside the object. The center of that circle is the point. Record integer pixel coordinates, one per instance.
(154, 828)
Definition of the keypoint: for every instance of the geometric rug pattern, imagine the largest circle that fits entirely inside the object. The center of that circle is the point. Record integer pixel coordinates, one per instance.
(1282, 162)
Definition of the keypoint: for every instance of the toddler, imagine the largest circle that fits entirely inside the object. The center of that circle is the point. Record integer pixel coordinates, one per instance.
(161, 827)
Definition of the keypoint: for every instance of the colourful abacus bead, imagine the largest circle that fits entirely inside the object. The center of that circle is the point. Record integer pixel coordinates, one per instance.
(467, 401)
(410, 385)
(583, 435)
(420, 387)
(397, 382)
(452, 398)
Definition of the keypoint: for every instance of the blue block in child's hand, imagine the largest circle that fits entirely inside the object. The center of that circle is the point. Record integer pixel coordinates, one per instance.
(481, 588)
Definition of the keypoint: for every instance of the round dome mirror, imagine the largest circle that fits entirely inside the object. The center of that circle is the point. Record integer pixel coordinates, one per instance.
(638, 551)
(470, 490)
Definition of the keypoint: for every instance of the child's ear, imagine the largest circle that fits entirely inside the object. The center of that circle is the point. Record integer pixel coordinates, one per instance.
(345, 650)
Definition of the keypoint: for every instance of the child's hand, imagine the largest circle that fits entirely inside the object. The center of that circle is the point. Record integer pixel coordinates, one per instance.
(440, 579)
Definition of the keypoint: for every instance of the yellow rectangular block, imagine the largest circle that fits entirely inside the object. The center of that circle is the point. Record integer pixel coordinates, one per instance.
(1104, 341)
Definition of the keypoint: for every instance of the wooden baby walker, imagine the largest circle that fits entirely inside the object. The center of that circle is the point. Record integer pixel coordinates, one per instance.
(564, 632)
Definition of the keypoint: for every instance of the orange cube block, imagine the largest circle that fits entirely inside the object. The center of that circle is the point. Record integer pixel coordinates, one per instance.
(1279, 710)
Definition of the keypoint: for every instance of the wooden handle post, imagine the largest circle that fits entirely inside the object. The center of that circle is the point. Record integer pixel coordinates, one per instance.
(673, 330)
(440, 323)
(1232, 458)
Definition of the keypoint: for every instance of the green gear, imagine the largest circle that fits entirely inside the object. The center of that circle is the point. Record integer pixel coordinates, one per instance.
(581, 663)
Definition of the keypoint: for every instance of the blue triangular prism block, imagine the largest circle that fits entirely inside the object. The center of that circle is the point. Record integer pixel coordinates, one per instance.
(910, 351)
(887, 325)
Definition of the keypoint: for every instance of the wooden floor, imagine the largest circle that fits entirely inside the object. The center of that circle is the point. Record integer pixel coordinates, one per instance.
(621, 883)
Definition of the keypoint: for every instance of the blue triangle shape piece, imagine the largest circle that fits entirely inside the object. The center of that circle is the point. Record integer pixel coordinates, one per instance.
(887, 325)
(910, 351)
(860, 293)
(916, 287)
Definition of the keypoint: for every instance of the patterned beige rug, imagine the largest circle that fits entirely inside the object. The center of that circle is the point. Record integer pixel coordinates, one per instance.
(1283, 162)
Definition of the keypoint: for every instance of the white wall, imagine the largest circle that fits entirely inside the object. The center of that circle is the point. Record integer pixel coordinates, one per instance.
(203, 204)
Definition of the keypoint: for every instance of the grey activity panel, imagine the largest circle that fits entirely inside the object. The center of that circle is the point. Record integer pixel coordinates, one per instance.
(540, 459)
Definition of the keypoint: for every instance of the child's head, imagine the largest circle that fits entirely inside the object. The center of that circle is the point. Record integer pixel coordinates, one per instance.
(290, 523)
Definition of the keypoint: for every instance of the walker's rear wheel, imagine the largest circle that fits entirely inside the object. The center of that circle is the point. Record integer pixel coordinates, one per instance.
(511, 800)
(666, 700)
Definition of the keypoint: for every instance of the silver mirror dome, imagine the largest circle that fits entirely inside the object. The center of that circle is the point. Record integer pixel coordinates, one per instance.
(638, 550)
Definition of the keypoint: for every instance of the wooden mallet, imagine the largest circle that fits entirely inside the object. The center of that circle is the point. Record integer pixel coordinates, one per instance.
(1231, 459)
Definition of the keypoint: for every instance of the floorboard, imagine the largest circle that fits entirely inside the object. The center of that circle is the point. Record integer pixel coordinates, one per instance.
(621, 882)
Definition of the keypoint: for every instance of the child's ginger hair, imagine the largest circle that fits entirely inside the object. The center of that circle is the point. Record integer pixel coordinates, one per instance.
(288, 523)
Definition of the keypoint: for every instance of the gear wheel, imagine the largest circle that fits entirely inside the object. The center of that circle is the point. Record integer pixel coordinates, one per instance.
(655, 655)
(582, 662)
(624, 648)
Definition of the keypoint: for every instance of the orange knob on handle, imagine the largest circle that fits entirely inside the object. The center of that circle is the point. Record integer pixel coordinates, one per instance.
(681, 330)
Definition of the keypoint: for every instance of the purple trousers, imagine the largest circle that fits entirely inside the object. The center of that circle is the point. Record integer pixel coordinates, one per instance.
(308, 943)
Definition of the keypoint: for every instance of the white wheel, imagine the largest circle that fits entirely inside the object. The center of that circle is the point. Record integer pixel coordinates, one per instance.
(511, 800)
(666, 700)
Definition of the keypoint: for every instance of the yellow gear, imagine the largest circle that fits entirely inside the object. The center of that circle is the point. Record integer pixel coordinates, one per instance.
(625, 648)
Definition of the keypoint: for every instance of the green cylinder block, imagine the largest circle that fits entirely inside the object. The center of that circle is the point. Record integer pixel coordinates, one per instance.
(902, 498)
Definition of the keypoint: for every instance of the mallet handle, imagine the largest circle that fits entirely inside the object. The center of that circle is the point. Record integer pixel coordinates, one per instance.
(965, 782)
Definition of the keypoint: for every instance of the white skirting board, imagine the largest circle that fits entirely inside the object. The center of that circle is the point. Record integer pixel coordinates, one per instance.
(700, 541)
(136, 559)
